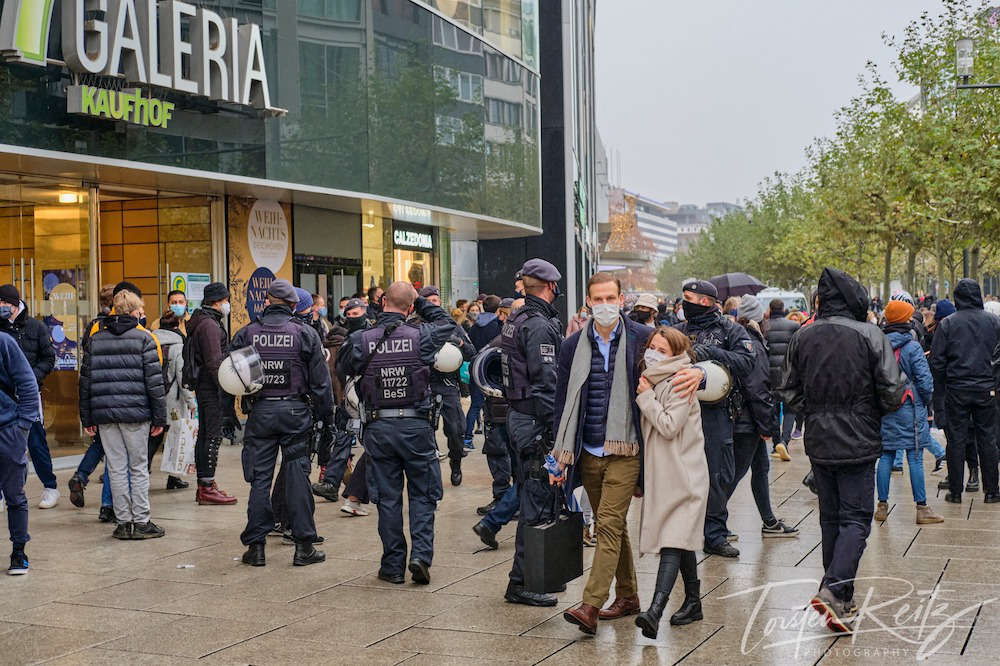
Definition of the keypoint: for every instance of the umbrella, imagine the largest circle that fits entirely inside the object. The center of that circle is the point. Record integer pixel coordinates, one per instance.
(736, 284)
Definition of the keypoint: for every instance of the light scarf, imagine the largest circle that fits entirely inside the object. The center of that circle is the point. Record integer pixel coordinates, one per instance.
(620, 438)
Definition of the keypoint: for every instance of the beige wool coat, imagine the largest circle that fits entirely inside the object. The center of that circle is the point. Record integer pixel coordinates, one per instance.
(675, 471)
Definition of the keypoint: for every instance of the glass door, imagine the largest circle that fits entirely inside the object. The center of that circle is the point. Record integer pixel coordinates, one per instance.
(332, 278)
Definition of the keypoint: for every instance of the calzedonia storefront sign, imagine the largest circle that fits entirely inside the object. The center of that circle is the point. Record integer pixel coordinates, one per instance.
(141, 43)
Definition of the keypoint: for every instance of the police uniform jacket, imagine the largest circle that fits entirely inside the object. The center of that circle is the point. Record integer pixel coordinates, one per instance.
(436, 329)
(318, 377)
(440, 379)
(718, 338)
(540, 337)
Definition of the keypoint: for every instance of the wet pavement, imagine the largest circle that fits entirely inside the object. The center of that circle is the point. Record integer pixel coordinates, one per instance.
(926, 591)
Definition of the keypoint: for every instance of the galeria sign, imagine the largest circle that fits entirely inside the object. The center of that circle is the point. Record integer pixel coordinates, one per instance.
(142, 42)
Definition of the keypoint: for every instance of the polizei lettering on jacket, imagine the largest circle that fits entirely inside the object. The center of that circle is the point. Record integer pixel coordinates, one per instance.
(272, 340)
(391, 346)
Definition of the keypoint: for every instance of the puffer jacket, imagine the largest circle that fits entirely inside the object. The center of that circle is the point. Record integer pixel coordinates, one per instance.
(35, 340)
(907, 427)
(121, 379)
(595, 414)
(779, 333)
(840, 373)
(965, 353)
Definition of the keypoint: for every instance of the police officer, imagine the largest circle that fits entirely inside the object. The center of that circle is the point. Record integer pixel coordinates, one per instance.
(445, 385)
(716, 338)
(530, 341)
(355, 319)
(296, 394)
(393, 360)
(495, 446)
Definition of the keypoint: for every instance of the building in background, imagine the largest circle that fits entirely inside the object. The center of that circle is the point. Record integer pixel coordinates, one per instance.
(692, 220)
(626, 251)
(570, 151)
(655, 224)
(375, 140)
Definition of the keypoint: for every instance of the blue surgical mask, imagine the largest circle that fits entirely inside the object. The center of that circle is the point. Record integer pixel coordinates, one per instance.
(323, 311)
(5, 311)
(179, 310)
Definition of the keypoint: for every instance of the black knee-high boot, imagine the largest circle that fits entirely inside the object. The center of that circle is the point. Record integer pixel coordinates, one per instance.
(690, 610)
(649, 621)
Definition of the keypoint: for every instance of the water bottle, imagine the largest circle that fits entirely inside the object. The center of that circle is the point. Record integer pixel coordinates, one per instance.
(552, 466)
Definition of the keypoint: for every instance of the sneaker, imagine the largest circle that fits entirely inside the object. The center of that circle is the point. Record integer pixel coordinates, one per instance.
(277, 530)
(781, 452)
(588, 539)
(938, 464)
(927, 515)
(50, 497)
(3, 505)
(107, 515)
(944, 485)
(123, 531)
(881, 512)
(797, 434)
(289, 540)
(778, 529)
(353, 509)
(468, 444)
(833, 610)
(148, 530)
(897, 470)
(18, 563)
(76, 486)
(723, 550)
(442, 455)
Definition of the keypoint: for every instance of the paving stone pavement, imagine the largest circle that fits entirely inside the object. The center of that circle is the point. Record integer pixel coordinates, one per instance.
(89, 599)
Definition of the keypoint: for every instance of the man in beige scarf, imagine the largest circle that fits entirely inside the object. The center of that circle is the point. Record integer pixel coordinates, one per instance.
(599, 443)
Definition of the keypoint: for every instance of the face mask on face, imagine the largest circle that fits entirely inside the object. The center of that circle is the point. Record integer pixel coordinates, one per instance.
(355, 323)
(323, 312)
(652, 357)
(179, 310)
(606, 314)
(142, 321)
(5, 311)
(225, 309)
(692, 310)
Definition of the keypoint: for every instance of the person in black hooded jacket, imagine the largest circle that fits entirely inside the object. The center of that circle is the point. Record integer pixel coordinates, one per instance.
(965, 357)
(840, 373)
(779, 333)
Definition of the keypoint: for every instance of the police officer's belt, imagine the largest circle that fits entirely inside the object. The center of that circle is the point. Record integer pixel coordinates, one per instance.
(273, 398)
(396, 414)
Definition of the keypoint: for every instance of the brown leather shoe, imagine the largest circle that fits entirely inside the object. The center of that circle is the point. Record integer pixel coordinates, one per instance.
(583, 616)
(621, 607)
(212, 495)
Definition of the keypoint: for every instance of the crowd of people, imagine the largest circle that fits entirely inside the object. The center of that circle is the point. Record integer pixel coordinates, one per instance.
(625, 401)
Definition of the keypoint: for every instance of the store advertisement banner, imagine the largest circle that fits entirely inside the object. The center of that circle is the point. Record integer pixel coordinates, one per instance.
(193, 285)
(60, 291)
(260, 250)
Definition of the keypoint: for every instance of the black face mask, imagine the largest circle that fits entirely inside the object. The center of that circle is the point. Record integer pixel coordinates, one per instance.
(640, 317)
(354, 323)
(694, 310)
(142, 321)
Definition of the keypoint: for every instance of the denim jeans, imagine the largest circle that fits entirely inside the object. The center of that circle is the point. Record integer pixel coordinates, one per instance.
(90, 459)
(935, 447)
(846, 507)
(478, 400)
(106, 489)
(41, 459)
(504, 510)
(915, 461)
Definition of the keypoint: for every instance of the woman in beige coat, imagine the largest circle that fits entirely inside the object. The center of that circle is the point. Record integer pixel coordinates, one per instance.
(675, 478)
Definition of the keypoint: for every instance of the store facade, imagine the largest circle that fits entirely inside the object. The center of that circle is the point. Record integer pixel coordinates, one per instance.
(342, 145)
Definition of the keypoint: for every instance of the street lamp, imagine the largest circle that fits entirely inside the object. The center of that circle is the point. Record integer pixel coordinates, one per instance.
(965, 56)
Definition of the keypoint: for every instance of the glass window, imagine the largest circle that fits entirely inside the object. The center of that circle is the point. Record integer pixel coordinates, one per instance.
(336, 10)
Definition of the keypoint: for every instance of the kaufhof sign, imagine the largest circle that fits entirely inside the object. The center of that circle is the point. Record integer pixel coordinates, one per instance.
(141, 42)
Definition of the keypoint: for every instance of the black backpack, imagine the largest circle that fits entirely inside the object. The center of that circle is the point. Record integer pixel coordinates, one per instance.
(189, 373)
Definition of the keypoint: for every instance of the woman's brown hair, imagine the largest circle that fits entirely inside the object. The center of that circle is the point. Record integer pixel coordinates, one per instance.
(679, 343)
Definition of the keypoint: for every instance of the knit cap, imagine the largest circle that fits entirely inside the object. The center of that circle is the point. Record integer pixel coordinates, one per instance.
(897, 312)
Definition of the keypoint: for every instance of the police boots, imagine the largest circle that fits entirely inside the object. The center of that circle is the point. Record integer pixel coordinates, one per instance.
(306, 554)
(254, 555)
(456, 472)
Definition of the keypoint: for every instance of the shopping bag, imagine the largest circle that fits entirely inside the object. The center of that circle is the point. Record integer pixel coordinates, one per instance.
(553, 551)
(178, 442)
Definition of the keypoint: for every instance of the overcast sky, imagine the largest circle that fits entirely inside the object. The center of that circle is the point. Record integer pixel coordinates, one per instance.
(704, 98)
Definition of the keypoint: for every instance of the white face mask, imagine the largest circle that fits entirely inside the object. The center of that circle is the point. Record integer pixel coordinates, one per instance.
(225, 309)
(680, 314)
(652, 357)
(606, 314)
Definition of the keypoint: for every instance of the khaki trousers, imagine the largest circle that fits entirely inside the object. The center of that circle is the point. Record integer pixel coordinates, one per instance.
(610, 483)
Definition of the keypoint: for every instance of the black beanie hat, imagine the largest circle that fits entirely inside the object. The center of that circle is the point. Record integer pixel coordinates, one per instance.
(125, 285)
(9, 294)
(215, 292)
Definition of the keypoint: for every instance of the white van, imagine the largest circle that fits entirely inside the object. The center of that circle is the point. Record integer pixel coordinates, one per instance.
(794, 300)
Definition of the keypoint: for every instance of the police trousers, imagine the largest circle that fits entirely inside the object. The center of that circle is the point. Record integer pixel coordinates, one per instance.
(453, 419)
(718, 431)
(497, 457)
(536, 495)
(399, 449)
(274, 425)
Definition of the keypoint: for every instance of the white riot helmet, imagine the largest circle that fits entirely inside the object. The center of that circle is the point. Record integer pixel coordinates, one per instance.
(718, 382)
(241, 373)
(448, 359)
(352, 403)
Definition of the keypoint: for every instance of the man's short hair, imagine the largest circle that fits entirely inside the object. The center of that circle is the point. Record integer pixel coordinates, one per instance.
(603, 277)
(127, 302)
(371, 293)
(491, 303)
(400, 295)
(533, 285)
(344, 298)
(106, 296)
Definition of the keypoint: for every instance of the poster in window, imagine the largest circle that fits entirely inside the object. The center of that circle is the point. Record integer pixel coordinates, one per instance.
(260, 251)
(59, 289)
